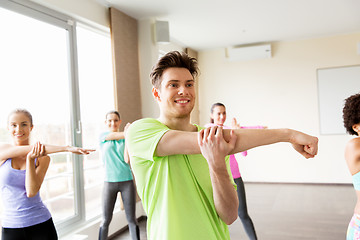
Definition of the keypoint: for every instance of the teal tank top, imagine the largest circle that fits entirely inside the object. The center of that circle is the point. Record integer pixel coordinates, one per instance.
(356, 181)
(112, 154)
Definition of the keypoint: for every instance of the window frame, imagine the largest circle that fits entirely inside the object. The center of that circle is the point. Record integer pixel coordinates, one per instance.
(68, 23)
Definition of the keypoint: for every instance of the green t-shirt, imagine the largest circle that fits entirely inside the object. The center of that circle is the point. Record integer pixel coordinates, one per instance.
(112, 154)
(176, 190)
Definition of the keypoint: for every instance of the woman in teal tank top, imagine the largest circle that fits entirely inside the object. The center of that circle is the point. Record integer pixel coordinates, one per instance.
(118, 177)
(351, 116)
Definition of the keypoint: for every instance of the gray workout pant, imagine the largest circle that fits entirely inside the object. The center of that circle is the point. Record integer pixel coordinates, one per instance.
(128, 195)
(242, 210)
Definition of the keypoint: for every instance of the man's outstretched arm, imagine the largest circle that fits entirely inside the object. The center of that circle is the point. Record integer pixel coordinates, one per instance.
(181, 142)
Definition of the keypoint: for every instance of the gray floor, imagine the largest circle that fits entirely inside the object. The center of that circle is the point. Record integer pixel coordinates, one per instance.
(292, 211)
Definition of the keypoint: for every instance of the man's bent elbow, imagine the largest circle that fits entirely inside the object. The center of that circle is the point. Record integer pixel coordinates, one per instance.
(231, 218)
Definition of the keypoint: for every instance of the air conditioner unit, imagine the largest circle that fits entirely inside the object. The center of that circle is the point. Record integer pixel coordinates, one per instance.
(248, 52)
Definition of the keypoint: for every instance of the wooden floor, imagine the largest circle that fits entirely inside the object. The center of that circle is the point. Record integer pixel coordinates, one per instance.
(292, 211)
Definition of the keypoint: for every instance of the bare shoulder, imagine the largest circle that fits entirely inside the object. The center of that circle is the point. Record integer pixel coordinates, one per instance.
(353, 144)
(4, 146)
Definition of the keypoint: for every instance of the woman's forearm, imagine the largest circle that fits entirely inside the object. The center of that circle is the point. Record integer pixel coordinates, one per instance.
(115, 136)
(31, 182)
(55, 149)
(11, 151)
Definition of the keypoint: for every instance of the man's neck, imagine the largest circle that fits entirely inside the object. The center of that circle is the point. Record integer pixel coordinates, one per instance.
(182, 124)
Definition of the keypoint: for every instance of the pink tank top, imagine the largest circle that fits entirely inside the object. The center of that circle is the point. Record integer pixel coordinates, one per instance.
(233, 162)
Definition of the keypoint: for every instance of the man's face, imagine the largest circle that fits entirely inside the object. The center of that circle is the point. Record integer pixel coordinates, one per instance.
(176, 95)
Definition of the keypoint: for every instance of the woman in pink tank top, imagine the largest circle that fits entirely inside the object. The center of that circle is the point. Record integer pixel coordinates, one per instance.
(218, 117)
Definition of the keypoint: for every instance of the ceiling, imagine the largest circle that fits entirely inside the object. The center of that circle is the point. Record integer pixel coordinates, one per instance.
(208, 24)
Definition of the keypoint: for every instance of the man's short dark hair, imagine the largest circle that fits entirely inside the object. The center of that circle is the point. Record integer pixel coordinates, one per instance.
(173, 59)
(351, 113)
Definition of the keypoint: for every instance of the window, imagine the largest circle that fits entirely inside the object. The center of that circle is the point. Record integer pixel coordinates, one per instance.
(96, 99)
(39, 59)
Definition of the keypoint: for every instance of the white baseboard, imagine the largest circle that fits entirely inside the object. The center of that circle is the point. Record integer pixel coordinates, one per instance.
(91, 231)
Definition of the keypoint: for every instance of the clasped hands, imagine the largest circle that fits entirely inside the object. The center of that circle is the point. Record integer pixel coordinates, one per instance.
(213, 146)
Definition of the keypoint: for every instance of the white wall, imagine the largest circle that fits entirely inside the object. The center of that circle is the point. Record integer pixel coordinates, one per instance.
(148, 55)
(280, 92)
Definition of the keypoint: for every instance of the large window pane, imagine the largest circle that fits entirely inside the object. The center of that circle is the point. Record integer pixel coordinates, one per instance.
(96, 98)
(34, 75)
(39, 72)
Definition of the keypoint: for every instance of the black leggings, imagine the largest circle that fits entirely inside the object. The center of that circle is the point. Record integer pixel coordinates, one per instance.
(242, 211)
(128, 196)
(41, 231)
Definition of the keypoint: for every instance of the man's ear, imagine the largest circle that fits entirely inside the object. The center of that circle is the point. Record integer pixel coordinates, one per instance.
(156, 93)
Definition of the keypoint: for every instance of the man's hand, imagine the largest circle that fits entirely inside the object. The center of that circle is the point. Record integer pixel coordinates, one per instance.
(305, 144)
(213, 145)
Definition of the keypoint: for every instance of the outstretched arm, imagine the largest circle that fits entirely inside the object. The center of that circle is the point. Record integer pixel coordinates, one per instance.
(10, 151)
(77, 150)
(126, 152)
(249, 138)
(181, 142)
(115, 136)
(214, 148)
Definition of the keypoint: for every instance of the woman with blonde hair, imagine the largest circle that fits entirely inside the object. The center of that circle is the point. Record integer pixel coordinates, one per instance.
(22, 171)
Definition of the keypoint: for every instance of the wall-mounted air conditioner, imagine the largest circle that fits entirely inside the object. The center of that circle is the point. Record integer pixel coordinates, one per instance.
(248, 52)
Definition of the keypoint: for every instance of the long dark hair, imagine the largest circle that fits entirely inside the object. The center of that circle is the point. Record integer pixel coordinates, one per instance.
(212, 109)
(113, 112)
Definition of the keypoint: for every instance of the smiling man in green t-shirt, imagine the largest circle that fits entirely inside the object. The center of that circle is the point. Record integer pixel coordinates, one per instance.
(182, 173)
